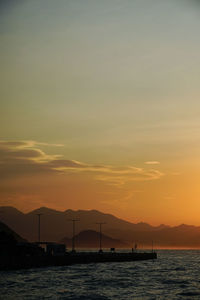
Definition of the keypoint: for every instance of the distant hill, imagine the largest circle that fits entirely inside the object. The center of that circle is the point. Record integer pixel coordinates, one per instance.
(8, 234)
(90, 239)
(56, 224)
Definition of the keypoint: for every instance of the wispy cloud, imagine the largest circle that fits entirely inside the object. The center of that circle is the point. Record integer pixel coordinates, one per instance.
(26, 144)
(130, 174)
(153, 162)
(25, 157)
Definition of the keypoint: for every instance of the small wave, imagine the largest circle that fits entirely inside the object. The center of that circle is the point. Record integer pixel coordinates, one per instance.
(175, 282)
(189, 294)
(86, 297)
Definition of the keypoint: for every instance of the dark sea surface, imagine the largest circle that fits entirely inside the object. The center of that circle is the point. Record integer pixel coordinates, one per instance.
(174, 275)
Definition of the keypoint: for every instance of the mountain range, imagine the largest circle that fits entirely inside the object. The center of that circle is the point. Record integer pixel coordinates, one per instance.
(55, 225)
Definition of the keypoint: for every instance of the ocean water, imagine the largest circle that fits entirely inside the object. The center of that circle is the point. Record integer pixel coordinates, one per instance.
(174, 275)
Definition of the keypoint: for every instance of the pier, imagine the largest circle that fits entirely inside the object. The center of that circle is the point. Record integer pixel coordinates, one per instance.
(26, 262)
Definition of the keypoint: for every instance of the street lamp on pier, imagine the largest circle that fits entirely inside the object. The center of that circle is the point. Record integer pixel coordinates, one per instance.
(100, 235)
(73, 233)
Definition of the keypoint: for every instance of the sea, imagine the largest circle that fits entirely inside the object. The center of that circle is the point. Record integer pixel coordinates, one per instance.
(174, 275)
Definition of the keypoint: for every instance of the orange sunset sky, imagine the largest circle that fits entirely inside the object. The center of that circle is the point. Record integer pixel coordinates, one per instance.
(100, 107)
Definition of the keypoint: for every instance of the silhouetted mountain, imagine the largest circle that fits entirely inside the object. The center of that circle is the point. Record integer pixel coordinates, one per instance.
(7, 234)
(90, 239)
(56, 224)
(162, 226)
(12, 211)
(174, 237)
(44, 211)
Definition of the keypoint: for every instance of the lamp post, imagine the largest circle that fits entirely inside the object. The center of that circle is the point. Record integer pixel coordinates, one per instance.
(73, 233)
(39, 215)
(100, 235)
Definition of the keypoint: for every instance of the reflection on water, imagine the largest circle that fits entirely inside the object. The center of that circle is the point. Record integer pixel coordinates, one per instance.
(174, 275)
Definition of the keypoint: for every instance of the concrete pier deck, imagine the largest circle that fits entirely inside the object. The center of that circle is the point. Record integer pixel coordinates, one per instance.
(26, 262)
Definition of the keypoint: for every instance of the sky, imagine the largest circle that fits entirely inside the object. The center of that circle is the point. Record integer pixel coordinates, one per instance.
(99, 107)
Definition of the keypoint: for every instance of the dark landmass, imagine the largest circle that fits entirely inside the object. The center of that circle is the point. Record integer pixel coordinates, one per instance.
(7, 234)
(55, 225)
(90, 239)
(13, 246)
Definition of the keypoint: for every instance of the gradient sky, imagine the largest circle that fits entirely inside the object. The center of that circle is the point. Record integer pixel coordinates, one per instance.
(100, 106)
